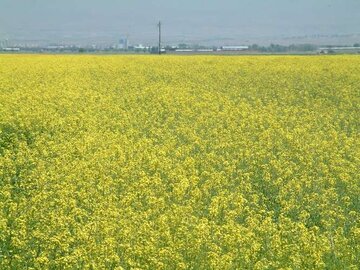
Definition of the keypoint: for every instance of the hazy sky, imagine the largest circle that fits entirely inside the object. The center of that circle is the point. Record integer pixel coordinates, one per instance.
(183, 20)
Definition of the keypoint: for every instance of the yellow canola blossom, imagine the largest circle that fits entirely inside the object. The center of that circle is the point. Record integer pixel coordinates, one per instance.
(201, 162)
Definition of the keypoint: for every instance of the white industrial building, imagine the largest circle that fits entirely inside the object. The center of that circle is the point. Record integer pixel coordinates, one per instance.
(234, 48)
(326, 50)
(12, 49)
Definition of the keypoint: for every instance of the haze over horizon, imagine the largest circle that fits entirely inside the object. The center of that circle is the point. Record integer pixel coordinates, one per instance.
(193, 21)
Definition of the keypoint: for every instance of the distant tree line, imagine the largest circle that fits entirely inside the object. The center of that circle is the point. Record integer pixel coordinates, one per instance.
(273, 48)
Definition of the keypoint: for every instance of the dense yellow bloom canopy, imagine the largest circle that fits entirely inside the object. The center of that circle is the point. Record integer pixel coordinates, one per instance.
(199, 162)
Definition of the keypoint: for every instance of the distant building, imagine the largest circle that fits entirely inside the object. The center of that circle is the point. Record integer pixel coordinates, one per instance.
(12, 49)
(185, 50)
(327, 50)
(123, 44)
(234, 48)
(55, 47)
(5, 43)
(140, 48)
(205, 50)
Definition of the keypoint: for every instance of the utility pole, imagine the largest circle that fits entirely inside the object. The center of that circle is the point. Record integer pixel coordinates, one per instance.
(159, 25)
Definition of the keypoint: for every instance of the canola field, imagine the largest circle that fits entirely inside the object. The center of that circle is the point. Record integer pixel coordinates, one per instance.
(195, 162)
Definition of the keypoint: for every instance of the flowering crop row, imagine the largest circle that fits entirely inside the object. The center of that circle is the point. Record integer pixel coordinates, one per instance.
(144, 162)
